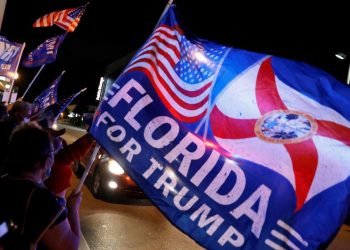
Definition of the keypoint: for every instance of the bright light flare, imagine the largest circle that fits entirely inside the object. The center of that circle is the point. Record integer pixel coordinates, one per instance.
(200, 57)
(112, 185)
(115, 168)
(209, 144)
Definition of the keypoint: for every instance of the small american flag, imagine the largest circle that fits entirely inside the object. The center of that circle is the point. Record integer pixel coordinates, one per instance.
(67, 19)
(180, 70)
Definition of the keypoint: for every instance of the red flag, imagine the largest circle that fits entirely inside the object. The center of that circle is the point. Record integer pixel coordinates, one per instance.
(67, 19)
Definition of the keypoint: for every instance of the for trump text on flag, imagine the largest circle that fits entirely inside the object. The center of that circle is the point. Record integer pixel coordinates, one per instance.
(44, 53)
(67, 19)
(238, 149)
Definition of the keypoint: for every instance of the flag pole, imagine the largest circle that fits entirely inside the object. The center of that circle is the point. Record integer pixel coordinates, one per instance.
(87, 170)
(13, 78)
(164, 11)
(30, 84)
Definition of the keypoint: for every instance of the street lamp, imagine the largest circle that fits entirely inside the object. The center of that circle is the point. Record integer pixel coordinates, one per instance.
(343, 56)
(340, 56)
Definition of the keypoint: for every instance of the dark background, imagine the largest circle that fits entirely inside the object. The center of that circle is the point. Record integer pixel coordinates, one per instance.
(111, 29)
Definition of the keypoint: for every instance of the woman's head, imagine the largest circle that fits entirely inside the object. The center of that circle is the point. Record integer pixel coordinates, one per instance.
(20, 112)
(30, 149)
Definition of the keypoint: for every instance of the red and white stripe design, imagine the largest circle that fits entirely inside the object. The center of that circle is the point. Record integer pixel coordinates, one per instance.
(60, 18)
(47, 20)
(157, 59)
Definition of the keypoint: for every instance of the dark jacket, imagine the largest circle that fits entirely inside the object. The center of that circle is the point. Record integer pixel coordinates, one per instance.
(6, 128)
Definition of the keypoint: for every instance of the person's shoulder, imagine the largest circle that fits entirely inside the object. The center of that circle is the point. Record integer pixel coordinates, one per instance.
(44, 193)
(44, 202)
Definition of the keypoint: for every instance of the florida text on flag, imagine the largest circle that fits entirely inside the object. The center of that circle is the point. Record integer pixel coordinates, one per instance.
(250, 154)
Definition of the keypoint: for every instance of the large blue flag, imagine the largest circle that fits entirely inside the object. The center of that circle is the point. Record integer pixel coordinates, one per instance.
(237, 149)
(10, 54)
(47, 97)
(45, 53)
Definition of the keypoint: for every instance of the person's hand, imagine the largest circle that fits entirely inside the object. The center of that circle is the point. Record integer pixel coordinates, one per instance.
(74, 200)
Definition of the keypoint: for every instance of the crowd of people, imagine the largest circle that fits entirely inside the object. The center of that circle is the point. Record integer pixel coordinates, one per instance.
(35, 168)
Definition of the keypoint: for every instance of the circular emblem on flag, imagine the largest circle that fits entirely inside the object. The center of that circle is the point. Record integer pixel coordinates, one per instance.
(285, 126)
(263, 119)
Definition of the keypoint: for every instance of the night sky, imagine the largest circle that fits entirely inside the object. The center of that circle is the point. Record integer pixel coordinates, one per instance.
(110, 29)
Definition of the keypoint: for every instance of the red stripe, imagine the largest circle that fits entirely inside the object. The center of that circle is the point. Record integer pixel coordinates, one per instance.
(304, 159)
(170, 36)
(334, 131)
(161, 51)
(159, 63)
(179, 101)
(173, 111)
(267, 95)
(230, 128)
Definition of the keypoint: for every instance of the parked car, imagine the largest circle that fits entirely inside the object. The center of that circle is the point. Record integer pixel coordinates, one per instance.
(107, 178)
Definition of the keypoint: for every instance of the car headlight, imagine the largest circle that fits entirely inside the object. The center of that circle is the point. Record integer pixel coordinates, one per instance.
(115, 168)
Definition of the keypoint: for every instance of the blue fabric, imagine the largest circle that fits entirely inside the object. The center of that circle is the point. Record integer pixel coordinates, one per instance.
(10, 53)
(47, 97)
(45, 53)
(266, 165)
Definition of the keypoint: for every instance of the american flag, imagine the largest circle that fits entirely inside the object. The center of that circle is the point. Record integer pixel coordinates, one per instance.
(67, 19)
(181, 71)
(47, 97)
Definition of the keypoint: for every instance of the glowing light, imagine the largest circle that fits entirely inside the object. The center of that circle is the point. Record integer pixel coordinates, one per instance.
(200, 57)
(112, 185)
(54, 126)
(7, 86)
(172, 175)
(340, 56)
(99, 89)
(209, 144)
(230, 161)
(115, 168)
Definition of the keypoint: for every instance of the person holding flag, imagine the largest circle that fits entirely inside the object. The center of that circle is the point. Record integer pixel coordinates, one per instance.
(34, 213)
(61, 171)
